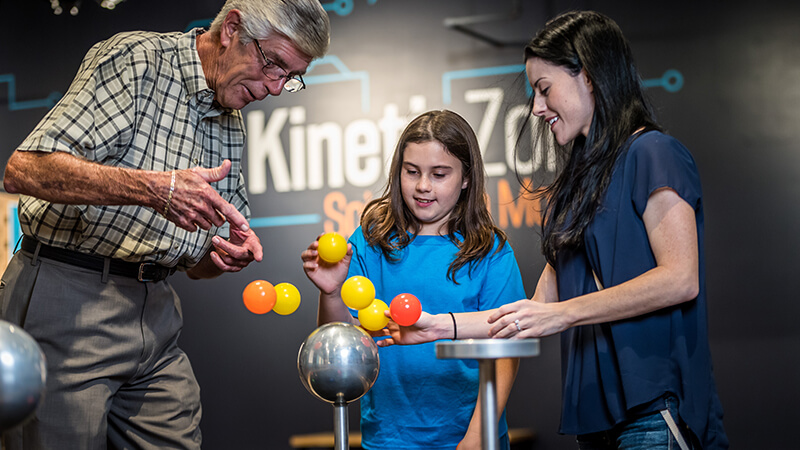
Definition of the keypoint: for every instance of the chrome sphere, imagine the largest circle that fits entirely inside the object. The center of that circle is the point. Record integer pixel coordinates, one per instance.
(338, 362)
(22, 375)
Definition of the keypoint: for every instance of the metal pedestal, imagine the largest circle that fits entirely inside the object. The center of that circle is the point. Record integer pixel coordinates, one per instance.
(487, 352)
(338, 363)
(341, 435)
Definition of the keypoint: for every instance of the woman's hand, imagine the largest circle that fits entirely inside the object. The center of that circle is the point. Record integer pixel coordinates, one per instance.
(527, 319)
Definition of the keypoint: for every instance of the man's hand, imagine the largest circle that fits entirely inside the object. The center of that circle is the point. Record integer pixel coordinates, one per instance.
(237, 252)
(193, 203)
(232, 255)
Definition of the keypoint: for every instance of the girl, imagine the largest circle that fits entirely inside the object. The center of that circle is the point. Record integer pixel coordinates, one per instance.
(429, 235)
(623, 238)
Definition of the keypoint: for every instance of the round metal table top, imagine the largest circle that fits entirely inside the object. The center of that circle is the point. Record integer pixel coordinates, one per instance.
(487, 348)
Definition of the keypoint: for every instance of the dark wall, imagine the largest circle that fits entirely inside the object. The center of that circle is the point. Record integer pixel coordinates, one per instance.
(730, 92)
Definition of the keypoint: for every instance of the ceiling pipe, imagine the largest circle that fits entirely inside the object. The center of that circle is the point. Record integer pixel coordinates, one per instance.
(462, 24)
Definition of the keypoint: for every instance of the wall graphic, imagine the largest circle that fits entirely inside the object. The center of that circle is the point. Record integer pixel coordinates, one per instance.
(14, 105)
(723, 81)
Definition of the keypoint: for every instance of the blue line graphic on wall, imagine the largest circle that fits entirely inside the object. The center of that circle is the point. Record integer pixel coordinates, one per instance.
(344, 74)
(671, 80)
(343, 7)
(199, 23)
(14, 105)
(281, 221)
(448, 77)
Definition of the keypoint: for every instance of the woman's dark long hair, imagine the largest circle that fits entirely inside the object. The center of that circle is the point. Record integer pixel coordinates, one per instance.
(591, 42)
(387, 221)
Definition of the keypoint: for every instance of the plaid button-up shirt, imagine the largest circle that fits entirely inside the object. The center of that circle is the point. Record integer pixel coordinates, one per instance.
(139, 101)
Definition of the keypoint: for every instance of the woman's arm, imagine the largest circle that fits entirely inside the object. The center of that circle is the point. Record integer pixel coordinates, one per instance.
(672, 231)
(466, 325)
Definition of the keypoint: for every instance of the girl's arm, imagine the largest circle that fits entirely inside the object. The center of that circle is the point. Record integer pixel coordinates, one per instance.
(431, 328)
(672, 231)
(467, 325)
(328, 278)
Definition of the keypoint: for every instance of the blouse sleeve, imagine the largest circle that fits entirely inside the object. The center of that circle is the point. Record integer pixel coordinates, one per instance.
(662, 161)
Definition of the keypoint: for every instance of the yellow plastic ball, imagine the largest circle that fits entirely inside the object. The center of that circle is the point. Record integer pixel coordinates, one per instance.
(332, 247)
(358, 292)
(372, 317)
(288, 299)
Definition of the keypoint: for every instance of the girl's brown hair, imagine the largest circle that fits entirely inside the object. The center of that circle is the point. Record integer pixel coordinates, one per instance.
(387, 221)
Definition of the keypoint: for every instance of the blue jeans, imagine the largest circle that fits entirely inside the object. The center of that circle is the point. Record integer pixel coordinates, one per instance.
(646, 432)
(505, 442)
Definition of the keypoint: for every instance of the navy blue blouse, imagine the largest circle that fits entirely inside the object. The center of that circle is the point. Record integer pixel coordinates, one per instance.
(618, 370)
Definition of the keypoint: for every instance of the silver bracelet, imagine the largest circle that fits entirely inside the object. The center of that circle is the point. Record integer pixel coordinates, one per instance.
(171, 190)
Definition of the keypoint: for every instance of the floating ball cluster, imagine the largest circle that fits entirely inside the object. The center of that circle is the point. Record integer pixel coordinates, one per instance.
(358, 293)
(261, 297)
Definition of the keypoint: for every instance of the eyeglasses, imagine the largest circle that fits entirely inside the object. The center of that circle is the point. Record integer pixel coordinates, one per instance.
(275, 72)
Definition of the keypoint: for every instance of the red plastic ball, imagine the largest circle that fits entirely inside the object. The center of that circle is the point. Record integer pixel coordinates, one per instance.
(405, 310)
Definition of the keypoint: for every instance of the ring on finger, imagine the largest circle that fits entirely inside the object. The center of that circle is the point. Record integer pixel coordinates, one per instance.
(516, 322)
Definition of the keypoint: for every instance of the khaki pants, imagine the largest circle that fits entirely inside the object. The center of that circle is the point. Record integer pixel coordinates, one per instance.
(115, 375)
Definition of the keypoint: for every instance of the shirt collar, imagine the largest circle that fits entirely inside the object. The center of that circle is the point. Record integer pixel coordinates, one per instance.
(194, 78)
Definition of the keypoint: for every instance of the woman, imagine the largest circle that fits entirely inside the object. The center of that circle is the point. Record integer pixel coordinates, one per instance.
(623, 238)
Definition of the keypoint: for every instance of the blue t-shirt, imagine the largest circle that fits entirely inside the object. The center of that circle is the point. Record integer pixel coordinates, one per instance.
(419, 401)
(614, 371)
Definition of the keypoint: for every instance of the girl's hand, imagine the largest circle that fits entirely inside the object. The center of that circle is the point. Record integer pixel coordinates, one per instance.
(328, 277)
(427, 329)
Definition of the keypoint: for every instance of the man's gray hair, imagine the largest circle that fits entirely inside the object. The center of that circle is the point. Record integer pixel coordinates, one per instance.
(304, 22)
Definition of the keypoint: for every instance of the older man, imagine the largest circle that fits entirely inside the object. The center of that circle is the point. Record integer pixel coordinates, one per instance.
(134, 174)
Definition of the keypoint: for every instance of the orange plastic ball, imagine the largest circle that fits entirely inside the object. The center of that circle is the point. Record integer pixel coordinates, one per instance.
(332, 247)
(259, 297)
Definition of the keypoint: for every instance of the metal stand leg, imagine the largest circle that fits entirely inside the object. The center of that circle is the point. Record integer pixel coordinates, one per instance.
(341, 437)
(487, 352)
(488, 396)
